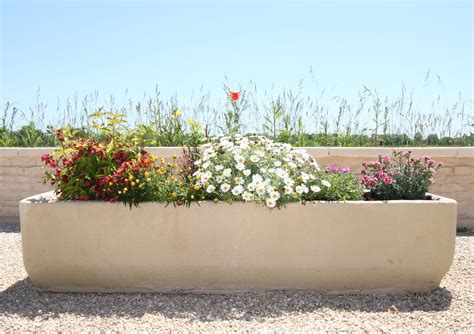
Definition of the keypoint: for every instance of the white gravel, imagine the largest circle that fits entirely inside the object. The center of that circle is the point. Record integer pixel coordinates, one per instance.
(22, 308)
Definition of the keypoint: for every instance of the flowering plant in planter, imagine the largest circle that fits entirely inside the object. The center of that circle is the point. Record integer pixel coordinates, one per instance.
(399, 177)
(257, 169)
(115, 169)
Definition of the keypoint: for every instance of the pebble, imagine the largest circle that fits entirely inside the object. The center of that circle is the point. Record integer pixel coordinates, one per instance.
(449, 308)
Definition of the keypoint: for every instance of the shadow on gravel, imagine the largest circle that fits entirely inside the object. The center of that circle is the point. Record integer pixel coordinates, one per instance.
(21, 299)
(9, 227)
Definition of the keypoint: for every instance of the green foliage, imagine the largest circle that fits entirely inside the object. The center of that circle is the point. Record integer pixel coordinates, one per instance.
(344, 187)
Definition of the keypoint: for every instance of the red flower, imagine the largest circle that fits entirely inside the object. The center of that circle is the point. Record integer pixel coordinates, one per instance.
(234, 95)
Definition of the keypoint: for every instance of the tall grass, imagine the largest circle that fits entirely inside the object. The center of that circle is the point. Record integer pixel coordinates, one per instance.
(305, 116)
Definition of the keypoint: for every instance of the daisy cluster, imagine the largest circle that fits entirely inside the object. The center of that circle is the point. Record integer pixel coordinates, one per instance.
(255, 168)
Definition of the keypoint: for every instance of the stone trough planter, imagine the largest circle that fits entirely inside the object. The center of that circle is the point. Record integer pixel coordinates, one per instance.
(350, 247)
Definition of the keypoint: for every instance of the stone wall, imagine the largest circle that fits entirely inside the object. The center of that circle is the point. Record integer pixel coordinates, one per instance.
(21, 173)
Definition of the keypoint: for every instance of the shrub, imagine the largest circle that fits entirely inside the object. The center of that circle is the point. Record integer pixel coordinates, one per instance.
(344, 185)
(257, 169)
(116, 169)
(399, 176)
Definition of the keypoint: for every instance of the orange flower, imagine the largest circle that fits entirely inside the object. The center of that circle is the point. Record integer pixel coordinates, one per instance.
(234, 95)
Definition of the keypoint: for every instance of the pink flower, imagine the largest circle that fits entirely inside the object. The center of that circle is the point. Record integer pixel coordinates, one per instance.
(382, 175)
(388, 180)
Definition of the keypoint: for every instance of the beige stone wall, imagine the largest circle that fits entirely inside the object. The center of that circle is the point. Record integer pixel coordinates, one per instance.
(21, 173)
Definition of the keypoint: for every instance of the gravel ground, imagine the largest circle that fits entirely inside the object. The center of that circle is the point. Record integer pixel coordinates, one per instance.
(22, 308)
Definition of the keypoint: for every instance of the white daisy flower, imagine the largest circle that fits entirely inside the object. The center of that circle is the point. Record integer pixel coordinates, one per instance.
(219, 167)
(238, 180)
(326, 183)
(205, 176)
(281, 173)
(237, 190)
(247, 172)
(239, 159)
(251, 187)
(270, 189)
(288, 190)
(240, 166)
(304, 177)
(254, 158)
(227, 172)
(315, 189)
(210, 189)
(277, 163)
(289, 181)
(260, 190)
(270, 202)
(301, 189)
(225, 187)
(247, 196)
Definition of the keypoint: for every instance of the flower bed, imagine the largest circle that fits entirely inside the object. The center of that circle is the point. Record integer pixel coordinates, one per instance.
(248, 213)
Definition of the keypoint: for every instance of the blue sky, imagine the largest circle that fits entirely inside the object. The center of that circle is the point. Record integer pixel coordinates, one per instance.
(68, 46)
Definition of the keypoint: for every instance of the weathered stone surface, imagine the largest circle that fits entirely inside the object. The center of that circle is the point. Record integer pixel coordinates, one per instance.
(328, 247)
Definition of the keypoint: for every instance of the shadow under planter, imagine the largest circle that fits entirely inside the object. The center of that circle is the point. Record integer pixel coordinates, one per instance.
(348, 247)
(23, 300)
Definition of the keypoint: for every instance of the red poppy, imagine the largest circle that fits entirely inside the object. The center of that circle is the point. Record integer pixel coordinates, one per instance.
(234, 95)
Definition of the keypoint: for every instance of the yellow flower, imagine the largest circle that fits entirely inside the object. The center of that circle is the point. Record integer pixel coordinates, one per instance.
(178, 112)
(174, 156)
(172, 177)
(197, 187)
(140, 186)
(173, 194)
(137, 180)
(133, 183)
(130, 177)
(110, 183)
(125, 189)
(148, 179)
(146, 173)
(119, 192)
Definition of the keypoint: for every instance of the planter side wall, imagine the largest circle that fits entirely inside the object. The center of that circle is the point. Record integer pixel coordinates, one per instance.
(354, 247)
(21, 173)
